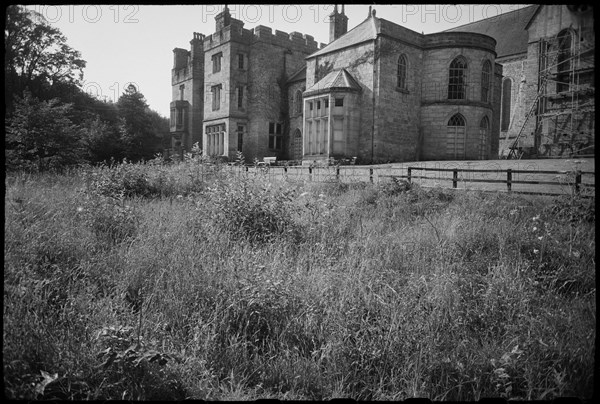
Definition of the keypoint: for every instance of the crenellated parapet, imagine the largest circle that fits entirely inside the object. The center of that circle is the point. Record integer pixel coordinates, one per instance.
(294, 41)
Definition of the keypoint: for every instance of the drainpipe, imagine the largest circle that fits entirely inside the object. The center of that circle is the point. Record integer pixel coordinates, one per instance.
(374, 99)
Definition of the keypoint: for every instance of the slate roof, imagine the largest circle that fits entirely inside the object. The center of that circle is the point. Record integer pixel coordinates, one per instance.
(335, 80)
(366, 30)
(508, 29)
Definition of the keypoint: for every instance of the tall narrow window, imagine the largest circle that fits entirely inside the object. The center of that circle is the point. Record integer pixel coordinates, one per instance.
(455, 142)
(216, 60)
(297, 148)
(240, 61)
(565, 44)
(506, 104)
(339, 143)
(240, 133)
(484, 128)
(457, 81)
(216, 97)
(298, 102)
(486, 74)
(181, 89)
(179, 116)
(401, 74)
(275, 137)
(240, 97)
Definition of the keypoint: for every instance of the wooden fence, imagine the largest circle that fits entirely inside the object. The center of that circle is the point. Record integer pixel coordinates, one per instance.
(507, 180)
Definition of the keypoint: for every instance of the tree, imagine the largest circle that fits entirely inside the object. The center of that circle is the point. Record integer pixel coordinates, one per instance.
(40, 135)
(102, 141)
(36, 56)
(141, 131)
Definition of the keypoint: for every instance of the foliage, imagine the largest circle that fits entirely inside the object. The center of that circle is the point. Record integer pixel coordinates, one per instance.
(36, 54)
(41, 135)
(51, 121)
(383, 292)
(249, 210)
(141, 129)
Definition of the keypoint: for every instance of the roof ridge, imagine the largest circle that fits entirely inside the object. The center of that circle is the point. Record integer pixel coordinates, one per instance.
(345, 35)
(490, 18)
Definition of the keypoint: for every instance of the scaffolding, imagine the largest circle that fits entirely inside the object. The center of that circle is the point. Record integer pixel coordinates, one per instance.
(563, 108)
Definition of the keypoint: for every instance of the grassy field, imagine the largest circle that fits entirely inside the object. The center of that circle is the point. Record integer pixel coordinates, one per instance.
(160, 282)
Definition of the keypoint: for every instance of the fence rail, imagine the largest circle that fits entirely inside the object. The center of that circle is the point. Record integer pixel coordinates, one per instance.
(537, 181)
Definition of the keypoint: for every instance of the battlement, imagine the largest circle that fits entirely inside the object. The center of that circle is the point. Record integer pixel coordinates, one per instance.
(180, 58)
(295, 41)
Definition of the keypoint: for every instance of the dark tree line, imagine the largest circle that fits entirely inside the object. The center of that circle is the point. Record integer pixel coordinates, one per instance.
(50, 121)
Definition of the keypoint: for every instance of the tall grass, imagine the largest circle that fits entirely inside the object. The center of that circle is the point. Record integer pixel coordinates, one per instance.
(183, 281)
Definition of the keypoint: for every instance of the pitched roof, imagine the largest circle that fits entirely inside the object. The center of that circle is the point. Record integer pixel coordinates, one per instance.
(365, 31)
(508, 29)
(335, 80)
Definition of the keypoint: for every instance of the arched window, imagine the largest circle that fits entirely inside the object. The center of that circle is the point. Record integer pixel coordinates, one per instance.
(505, 104)
(298, 102)
(484, 128)
(455, 142)
(297, 145)
(402, 69)
(486, 74)
(457, 80)
(565, 45)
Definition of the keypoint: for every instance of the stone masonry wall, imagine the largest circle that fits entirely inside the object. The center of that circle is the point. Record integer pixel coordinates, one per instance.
(397, 111)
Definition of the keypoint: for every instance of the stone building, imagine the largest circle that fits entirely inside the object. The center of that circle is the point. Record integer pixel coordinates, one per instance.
(382, 93)
(376, 93)
(547, 97)
(230, 89)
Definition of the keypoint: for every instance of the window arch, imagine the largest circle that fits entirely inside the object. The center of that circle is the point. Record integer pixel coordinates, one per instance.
(455, 141)
(297, 145)
(484, 128)
(457, 79)
(402, 71)
(298, 101)
(505, 104)
(486, 74)
(565, 48)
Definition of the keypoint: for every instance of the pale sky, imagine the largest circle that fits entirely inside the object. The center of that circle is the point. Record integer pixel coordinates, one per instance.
(125, 44)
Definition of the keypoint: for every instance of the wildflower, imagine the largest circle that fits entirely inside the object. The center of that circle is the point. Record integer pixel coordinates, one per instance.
(540, 238)
(303, 194)
(535, 251)
(534, 228)
(536, 218)
(79, 209)
(179, 196)
(513, 212)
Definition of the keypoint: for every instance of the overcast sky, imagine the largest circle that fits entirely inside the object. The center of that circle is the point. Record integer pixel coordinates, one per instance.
(125, 44)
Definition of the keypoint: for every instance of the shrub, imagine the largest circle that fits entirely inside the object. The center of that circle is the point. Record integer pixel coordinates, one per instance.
(253, 211)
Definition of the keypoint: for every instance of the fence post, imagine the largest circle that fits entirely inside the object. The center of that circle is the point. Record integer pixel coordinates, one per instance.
(337, 173)
(310, 173)
(509, 179)
(577, 181)
(454, 178)
(409, 175)
(371, 175)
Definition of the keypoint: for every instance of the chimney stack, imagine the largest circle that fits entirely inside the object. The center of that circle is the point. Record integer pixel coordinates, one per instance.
(338, 24)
